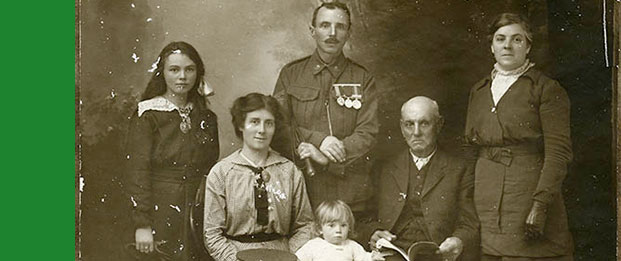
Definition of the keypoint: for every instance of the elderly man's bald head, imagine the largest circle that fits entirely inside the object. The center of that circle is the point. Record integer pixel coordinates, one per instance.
(421, 104)
(420, 125)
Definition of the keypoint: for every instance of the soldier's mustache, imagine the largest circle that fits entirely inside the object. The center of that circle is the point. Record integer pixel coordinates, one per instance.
(332, 41)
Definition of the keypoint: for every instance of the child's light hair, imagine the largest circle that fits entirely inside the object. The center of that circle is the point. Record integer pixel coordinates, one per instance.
(334, 210)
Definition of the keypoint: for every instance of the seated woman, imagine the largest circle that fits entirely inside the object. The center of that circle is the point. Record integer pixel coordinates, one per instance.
(255, 198)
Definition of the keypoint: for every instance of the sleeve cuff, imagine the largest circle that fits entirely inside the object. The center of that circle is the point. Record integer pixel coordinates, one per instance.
(141, 220)
(316, 139)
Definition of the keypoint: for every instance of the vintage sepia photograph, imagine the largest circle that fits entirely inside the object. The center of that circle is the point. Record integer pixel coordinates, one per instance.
(346, 130)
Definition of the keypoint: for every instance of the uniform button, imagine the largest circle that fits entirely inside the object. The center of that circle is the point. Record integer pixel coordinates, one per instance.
(317, 66)
(418, 193)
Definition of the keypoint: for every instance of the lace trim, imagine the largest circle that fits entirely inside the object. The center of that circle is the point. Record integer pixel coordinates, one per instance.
(515, 72)
(159, 103)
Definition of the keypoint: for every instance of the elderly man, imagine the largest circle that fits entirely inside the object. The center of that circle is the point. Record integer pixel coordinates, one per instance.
(332, 105)
(424, 193)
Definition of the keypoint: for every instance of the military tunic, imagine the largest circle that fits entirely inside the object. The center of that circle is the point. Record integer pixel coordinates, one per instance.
(309, 84)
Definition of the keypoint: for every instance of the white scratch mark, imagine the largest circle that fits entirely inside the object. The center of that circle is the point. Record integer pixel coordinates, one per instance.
(135, 57)
(81, 184)
(154, 65)
(175, 208)
(133, 5)
(605, 34)
(134, 203)
(279, 195)
(149, 19)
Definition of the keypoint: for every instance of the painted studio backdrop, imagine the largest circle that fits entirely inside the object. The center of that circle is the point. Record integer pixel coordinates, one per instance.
(433, 48)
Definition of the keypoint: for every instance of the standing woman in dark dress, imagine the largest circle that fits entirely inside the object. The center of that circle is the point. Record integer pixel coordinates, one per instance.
(518, 118)
(172, 144)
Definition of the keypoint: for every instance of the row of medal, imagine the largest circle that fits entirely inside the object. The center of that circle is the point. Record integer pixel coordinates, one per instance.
(351, 101)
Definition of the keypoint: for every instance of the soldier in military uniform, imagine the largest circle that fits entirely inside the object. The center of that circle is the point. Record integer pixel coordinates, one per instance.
(332, 108)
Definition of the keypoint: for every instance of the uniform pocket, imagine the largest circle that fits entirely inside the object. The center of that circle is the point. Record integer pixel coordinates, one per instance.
(303, 93)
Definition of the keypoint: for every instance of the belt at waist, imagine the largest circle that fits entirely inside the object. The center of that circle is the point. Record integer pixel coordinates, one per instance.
(255, 238)
(504, 154)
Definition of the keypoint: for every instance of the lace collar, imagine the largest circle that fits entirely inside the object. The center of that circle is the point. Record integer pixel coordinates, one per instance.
(515, 72)
(159, 103)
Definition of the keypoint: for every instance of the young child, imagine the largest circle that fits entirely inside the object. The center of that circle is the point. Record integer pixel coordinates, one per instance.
(333, 221)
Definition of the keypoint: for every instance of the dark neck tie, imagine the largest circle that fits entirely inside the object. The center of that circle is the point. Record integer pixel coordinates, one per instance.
(260, 196)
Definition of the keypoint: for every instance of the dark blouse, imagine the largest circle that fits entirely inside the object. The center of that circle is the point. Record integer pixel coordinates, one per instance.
(535, 110)
(158, 151)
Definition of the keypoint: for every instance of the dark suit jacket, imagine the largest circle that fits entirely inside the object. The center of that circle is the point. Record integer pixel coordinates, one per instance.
(447, 204)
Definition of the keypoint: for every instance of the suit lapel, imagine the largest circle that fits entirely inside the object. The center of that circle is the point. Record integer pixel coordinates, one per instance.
(400, 171)
(435, 173)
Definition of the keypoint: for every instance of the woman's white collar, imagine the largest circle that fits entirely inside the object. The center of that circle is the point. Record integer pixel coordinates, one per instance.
(158, 103)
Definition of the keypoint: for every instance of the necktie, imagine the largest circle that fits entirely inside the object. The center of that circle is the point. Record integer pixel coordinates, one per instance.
(260, 196)
(420, 163)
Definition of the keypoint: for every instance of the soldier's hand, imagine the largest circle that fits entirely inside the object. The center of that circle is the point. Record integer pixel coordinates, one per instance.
(307, 150)
(333, 148)
(536, 220)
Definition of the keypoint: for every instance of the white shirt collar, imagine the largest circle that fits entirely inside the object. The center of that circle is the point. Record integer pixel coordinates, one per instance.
(421, 162)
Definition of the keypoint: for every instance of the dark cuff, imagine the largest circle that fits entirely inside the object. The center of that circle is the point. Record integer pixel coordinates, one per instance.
(141, 219)
(316, 138)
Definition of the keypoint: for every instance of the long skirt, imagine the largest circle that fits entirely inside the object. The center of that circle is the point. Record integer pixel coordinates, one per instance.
(503, 196)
